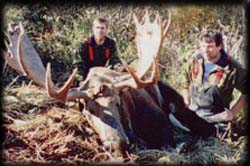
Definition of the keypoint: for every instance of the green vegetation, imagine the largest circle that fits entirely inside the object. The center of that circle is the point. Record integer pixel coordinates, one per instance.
(57, 30)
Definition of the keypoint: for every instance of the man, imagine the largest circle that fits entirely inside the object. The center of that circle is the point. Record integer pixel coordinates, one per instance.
(210, 78)
(97, 50)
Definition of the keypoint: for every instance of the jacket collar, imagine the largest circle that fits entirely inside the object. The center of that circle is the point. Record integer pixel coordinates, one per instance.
(223, 62)
(224, 59)
(93, 43)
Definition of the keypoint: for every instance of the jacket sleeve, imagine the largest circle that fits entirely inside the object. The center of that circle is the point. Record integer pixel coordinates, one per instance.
(240, 78)
(114, 58)
(80, 62)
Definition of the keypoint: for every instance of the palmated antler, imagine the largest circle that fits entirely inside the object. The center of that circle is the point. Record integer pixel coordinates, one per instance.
(149, 39)
(22, 56)
(11, 44)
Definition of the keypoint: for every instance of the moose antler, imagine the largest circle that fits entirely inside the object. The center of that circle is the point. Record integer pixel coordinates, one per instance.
(22, 57)
(29, 63)
(149, 39)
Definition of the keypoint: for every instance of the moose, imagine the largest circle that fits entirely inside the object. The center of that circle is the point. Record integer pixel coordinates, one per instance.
(124, 107)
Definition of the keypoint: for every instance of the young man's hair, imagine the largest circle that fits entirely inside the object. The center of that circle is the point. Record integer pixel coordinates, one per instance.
(101, 20)
(213, 36)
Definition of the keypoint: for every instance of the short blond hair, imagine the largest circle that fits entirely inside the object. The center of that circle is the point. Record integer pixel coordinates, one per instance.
(101, 19)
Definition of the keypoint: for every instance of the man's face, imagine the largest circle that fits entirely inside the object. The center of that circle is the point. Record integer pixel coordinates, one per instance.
(99, 30)
(209, 50)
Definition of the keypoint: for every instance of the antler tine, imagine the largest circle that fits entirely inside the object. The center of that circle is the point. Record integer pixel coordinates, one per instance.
(158, 22)
(11, 55)
(22, 30)
(157, 17)
(136, 21)
(60, 94)
(147, 20)
(167, 24)
(137, 26)
(136, 82)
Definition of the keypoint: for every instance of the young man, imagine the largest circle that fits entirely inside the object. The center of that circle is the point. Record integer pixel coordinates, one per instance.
(97, 50)
(210, 78)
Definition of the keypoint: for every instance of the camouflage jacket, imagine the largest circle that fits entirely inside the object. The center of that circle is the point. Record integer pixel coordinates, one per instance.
(227, 75)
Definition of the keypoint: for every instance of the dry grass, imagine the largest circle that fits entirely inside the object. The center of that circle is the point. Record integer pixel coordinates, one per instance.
(48, 134)
(41, 130)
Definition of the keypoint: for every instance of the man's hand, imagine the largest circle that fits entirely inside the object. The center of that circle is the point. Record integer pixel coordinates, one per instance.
(226, 115)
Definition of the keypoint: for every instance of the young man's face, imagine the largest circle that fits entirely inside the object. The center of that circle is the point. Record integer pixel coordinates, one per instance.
(99, 30)
(209, 50)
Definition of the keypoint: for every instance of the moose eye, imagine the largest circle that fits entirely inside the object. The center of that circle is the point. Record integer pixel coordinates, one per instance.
(9, 54)
(103, 90)
(10, 32)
